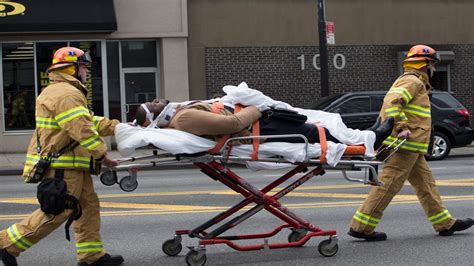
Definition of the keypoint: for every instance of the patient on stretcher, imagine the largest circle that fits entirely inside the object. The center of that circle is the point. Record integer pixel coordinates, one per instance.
(214, 118)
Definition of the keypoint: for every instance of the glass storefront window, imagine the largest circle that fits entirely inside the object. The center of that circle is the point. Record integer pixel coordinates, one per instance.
(138, 54)
(18, 86)
(113, 79)
(44, 57)
(24, 76)
(94, 86)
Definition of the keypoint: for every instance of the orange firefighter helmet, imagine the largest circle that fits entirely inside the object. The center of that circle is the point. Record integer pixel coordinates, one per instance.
(67, 56)
(422, 52)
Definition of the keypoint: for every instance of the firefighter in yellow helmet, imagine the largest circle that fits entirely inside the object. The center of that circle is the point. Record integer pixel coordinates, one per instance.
(408, 102)
(66, 143)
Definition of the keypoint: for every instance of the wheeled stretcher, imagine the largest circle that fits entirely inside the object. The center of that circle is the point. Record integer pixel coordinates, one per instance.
(217, 167)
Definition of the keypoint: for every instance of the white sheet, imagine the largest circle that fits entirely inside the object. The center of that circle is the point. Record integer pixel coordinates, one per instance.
(129, 138)
(244, 95)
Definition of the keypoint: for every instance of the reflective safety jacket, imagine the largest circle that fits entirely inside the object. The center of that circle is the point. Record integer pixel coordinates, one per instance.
(62, 117)
(409, 103)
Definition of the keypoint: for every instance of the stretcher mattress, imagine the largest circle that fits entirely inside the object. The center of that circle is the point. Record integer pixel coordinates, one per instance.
(130, 138)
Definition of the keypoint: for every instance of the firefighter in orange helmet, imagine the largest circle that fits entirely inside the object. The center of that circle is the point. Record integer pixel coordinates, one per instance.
(408, 103)
(67, 141)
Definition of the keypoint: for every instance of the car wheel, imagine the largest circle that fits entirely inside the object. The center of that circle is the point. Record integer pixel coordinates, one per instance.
(441, 147)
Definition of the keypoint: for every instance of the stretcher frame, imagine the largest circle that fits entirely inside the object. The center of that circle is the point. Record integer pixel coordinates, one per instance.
(217, 167)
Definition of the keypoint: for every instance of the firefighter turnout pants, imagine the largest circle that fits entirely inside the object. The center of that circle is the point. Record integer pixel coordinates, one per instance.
(21, 236)
(402, 166)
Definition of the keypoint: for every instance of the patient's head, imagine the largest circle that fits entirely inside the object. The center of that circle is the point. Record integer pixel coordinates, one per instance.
(148, 111)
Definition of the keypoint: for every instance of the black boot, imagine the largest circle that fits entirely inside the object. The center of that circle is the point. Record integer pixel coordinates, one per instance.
(7, 259)
(106, 260)
(375, 236)
(382, 132)
(459, 225)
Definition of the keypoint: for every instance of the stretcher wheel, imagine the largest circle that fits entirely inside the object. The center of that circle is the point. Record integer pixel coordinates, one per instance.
(108, 178)
(325, 250)
(296, 236)
(127, 184)
(193, 258)
(172, 247)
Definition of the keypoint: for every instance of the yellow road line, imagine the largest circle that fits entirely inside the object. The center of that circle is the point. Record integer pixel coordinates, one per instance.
(220, 209)
(452, 182)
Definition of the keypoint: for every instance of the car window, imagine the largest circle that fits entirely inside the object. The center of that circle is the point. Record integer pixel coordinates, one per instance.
(377, 102)
(445, 100)
(324, 102)
(354, 105)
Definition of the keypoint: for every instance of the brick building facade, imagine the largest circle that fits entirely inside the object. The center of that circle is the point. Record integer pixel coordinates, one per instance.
(288, 73)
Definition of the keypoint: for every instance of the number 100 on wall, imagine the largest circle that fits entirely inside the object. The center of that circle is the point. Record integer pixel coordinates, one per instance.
(338, 61)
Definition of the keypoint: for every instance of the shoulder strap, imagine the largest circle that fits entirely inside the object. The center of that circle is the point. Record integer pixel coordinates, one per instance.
(72, 203)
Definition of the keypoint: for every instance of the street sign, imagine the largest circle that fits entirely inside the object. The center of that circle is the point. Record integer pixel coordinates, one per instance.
(330, 36)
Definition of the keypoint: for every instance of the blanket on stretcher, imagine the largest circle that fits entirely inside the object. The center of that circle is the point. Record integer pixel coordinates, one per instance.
(129, 138)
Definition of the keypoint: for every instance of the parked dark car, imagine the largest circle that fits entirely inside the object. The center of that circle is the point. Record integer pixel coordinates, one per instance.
(359, 110)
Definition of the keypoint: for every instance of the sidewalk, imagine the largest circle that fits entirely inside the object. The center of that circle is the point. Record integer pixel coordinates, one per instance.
(12, 163)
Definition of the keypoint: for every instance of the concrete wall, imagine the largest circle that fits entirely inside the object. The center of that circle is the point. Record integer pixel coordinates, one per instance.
(249, 23)
(150, 18)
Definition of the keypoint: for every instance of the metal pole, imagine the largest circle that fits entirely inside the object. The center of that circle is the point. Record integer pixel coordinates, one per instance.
(323, 51)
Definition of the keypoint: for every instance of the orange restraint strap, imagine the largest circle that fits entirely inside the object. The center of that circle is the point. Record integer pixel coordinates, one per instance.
(322, 142)
(255, 133)
(217, 108)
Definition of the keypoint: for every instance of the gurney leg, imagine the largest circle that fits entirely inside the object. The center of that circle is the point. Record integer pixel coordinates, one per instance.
(211, 173)
(272, 205)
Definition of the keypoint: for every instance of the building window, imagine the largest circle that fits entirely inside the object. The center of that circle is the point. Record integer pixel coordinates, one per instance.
(44, 56)
(440, 80)
(93, 84)
(22, 80)
(442, 77)
(132, 76)
(113, 79)
(18, 86)
(138, 54)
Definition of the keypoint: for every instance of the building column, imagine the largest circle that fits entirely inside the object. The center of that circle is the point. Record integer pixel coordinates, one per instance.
(174, 69)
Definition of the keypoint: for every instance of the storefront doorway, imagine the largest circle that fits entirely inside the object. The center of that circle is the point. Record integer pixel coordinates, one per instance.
(139, 86)
(133, 76)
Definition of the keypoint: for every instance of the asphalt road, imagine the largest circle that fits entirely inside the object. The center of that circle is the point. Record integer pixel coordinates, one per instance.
(136, 224)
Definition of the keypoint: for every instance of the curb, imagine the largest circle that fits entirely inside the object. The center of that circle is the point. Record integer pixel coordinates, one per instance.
(11, 172)
(190, 165)
(161, 167)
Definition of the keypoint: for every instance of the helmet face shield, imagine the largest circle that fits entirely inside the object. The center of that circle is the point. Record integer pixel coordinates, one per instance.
(85, 58)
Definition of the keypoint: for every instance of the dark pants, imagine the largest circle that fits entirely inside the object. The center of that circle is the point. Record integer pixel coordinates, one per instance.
(281, 127)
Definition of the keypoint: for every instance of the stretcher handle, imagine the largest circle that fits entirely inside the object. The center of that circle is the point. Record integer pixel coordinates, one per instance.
(226, 144)
(398, 143)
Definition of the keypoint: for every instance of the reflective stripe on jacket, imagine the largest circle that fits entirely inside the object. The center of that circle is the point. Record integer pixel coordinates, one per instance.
(409, 103)
(62, 117)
